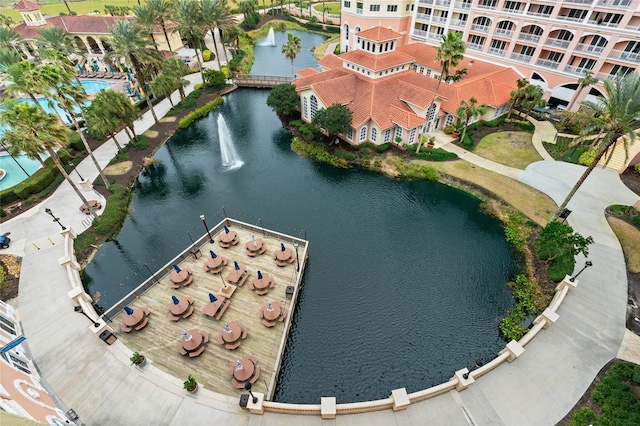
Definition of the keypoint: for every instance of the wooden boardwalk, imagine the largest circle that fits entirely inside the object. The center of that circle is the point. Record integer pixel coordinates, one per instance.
(159, 340)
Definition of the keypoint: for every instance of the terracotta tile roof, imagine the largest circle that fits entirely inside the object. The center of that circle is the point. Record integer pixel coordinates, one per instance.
(376, 62)
(307, 72)
(379, 34)
(305, 82)
(330, 62)
(81, 24)
(25, 6)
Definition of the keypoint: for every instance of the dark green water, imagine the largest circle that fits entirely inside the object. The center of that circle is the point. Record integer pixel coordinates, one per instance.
(404, 282)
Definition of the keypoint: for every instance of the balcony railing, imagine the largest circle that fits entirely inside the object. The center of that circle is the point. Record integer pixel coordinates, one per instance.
(632, 27)
(529, 37)
(521, 58)
(434, 36)
(480, 28)
(484, 6)
(570, 18)
(420, 33)
(605, 76)
(603, 24)
(589, 48)
(504, 9)
(502, 32)
(426, 1)
(459, 24)
(445, 3)
(462, 5)
(423, 17)
(358, 11)
(625, 55)
(576, 70)
(548, 64)
(439, 19)
(475, 46)
(543, 15)
(496, 51)
(556, 42)
(579, 1)
(610, 3)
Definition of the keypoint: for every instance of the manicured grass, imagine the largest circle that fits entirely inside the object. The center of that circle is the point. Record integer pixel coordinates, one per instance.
(532, 203)
(629, 237)
(512, 149)
(334, 8)
(81, 8)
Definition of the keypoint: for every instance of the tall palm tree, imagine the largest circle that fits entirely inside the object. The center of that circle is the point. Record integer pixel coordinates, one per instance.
(100, 124)
(188, 15)
(131, 45)
(610, 118)
(117, 105)
(468, 110)
(176, 68)
(164, 11)
(146, 17)
(20, 78)
(58, 39)
(583, 82)
(216, 16)
(36, 131)
(6, 21)
(449, 53)
(291, 48)
(57, 78)
(517, 96)
(9, 38)
(534, 98)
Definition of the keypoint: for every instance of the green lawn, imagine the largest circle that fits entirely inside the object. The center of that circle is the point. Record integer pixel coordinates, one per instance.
(81, 8)
(334, 8)
(512, 149)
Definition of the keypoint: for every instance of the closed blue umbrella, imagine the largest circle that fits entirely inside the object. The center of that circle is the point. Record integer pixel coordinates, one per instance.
(212, 298)
(128, 310)
(226, 230)
(259, 275)
(178, 270)
(213, 255)
(235, 265)
(282, 246)
(175, 300)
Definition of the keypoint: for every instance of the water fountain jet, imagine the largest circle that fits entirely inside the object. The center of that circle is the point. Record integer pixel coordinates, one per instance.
(228, 154)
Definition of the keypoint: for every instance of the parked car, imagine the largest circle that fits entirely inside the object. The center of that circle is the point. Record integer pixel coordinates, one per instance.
(4, 241)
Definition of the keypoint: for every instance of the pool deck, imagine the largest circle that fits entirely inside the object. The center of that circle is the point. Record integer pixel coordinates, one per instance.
(158, 341)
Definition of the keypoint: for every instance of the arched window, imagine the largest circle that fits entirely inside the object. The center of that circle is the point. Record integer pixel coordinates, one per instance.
(374, 134)
(314, 106)
(305, 108)
(363, 133)
(346, 31)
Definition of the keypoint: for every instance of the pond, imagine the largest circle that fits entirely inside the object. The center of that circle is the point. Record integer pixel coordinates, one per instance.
(405, 280)
(269, 60)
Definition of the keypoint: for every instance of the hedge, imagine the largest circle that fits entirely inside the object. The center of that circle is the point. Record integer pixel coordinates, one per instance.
(114, 213)
(433, 154)
(199, 113)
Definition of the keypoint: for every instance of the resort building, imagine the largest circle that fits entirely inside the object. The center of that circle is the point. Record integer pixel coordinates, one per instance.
(390, 88)
(21, 392)
(90, 33)
(551, 43)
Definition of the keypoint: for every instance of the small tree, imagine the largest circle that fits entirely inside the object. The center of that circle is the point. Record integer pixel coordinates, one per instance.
(558, 239)
(334, 120)
(214, 78)
(283, 99)
(165, 85)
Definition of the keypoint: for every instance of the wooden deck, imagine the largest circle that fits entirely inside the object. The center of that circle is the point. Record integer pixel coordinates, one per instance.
(159, 340)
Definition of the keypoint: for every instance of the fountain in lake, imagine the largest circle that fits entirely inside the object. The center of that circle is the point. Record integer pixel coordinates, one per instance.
(270, 40)
(228, 154)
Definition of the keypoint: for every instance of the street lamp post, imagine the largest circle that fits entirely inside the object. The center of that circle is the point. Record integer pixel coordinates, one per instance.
(207, 228)
(55, 219)
(96, 324)
(586, 265)
(76, 169)
(247, 387)
(297, 258)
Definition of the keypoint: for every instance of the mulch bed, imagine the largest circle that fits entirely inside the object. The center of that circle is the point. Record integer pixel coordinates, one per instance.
(11, 265)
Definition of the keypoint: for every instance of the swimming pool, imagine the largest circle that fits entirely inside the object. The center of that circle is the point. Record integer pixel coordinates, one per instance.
(14, 174)
(95, 86)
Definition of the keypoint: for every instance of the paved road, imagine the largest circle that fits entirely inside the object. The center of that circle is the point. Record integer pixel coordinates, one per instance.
(540, 387)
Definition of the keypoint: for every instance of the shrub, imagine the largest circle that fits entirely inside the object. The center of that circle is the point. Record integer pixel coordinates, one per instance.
(561, 267)
(583, 417)
(29, 201)
(318, 152)
(207, 55)
(190, 101)
(636, 220)
(114, 213)
(3, 276)
(7, 196)
(83, 241)
(383, 147)
(197, 86)
(347, 155)
(432, 154)
(616, 397)
(2, 212)
(200, 112)
(36, 182)
(75, 142)
(142, 143)
(52, 186)
(587, 157)
(467, 142)
(527, 297)
(636, 168)
(214, 78)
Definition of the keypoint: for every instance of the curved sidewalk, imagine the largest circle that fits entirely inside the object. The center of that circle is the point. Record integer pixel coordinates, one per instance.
(540, 387)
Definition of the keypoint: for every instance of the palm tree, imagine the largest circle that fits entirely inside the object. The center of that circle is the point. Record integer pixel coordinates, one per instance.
(117, 105)
(6, 21)
(517, 96)
(176, 68)
(58, 39)
(131, 45)
(217, 16)
(9, 38)
(449, 53)
(36, 131)
(585, 81)
(533, 98)
(70, 97)
(468, 110)
(164, 11)
(164, 84)
(100, 124)
(188, 14)
(20, 78)
(610, 118)
(146, 17)
(291, 48)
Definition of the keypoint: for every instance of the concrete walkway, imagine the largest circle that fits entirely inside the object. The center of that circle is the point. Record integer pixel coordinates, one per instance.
(539, 388)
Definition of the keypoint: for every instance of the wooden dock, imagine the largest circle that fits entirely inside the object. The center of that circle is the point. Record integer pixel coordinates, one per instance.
(159, 340)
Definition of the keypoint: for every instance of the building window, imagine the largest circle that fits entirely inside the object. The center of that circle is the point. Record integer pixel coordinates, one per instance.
(350, 134)
(20, 363)
(512, 6)
(412, 136)
(387, 135)
(363, 133)
(305, 109)
(374, 134)
(374, 8)
(347, 4)
(392, 8)
(8, 325)
(449, 120)
(399, 132)
(314, 106)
